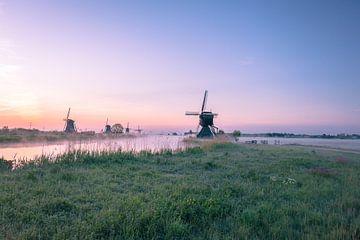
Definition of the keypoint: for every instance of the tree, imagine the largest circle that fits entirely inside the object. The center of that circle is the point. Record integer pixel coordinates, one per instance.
(236, 133)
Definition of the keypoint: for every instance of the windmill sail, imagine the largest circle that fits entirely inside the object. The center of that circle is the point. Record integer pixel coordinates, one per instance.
(204, 101)
(192, 113)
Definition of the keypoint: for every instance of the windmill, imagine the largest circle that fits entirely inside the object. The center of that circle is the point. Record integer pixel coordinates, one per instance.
(127, 129)
(69, 126)
(107, 126)
(138, 129)
(206, 120)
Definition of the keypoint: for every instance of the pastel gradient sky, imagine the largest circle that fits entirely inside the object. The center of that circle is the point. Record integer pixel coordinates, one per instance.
(268, 65)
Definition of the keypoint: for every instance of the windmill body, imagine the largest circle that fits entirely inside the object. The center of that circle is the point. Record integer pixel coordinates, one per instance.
(107, 127)
(206, 121)
(127, 129)
(70, 126)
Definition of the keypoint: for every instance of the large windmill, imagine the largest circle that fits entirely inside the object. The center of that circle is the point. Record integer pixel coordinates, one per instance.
(206, 120)
(69, 124)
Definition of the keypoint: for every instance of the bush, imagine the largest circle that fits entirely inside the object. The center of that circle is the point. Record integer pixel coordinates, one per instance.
(236, 133)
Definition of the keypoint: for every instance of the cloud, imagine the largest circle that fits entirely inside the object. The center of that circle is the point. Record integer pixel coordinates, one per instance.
(247, 62)
(4, 108)
(18, 98)
(8, 50)
(7, 70)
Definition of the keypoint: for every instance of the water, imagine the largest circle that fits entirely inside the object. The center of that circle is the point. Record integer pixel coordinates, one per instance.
(348, 144)
(147, 142)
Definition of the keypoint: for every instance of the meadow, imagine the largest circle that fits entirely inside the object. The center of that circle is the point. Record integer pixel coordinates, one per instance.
(21, 135)
(215, 191)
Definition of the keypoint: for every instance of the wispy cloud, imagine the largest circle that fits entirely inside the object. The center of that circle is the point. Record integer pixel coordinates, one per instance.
(8, 50)
(8, 69)
(4, 108)
(247, 62)
(16, 97)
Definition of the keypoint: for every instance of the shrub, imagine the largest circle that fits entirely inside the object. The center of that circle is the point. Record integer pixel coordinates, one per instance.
(236, 133)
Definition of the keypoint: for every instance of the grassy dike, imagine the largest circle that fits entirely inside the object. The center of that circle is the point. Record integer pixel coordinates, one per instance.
(219, 191)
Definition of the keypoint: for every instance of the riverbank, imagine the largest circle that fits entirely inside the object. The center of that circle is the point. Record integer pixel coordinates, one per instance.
(218, 191)
(30, 136)
(345, 144)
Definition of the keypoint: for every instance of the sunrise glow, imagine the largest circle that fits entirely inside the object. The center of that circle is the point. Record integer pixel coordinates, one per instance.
(147, 63)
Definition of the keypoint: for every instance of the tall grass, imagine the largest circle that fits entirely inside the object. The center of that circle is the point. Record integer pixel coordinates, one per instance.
(219, 191)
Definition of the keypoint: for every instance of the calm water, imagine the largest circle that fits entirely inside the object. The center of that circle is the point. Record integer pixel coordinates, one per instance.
(331, 143)
(151, 142)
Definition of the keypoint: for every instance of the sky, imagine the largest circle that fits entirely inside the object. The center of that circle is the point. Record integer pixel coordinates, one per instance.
(269, 66)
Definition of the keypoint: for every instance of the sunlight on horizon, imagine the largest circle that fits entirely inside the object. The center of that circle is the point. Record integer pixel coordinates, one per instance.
(103, 60)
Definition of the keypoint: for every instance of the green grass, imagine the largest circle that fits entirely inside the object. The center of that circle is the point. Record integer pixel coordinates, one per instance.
(9, 138)
(219, 191)
(20, 135)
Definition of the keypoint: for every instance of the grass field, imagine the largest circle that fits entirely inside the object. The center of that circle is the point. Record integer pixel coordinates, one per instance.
(21, 135)
(218, 191)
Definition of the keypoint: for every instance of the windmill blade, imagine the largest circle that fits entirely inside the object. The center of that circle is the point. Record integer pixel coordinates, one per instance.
(107, 121)
(215, 114)
(67, 118)
(192, 113)
(68, 114)
(204, 101)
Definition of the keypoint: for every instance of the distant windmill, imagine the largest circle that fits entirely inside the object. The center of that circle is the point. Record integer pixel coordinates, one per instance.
(107, 126)
(206, 121)
(127, 129)
(69, 124)
(138, 129)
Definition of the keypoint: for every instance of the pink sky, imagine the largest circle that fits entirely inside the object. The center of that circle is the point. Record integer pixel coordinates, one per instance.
(147, 66)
